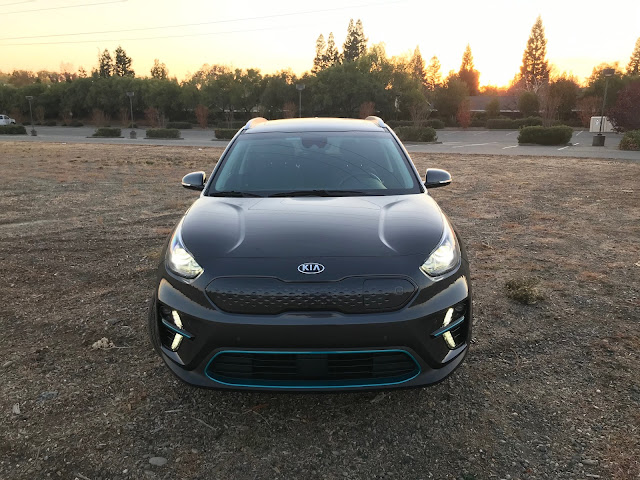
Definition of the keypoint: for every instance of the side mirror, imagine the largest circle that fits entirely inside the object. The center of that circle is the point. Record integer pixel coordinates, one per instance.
(437, 178)
(194, 180)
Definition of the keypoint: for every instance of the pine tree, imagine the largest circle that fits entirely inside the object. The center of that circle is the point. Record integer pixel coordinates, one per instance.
(159, 70)
(332, 55)
(433, 76)
(355, 45)
(320, 60)
(634, 62)
(105, 64)
(416, 66)
(468, 74)
(122, 64)
(535, 67)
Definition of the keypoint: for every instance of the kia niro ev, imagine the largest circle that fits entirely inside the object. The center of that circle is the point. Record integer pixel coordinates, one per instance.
(313, 259)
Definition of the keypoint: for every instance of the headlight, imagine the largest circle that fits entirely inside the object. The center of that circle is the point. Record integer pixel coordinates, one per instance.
(178, 259)
(446, 255)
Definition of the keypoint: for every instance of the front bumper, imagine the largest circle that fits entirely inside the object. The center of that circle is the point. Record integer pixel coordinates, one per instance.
(207, 332)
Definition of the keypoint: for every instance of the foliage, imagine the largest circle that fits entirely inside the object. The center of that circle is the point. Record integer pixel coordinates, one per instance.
(449, 97)
(524, 290)
(535, 67)
(435, 123)
(587, 108)
(433, 75)
(463, 116)
(332, 55)
(152, 117)
(355, 45)
(108, 132)
(159, 70)
(367, 109)
(545, 135)
(105, 64)
(468, 74)
(202, 115)
(625, 114)
(493, 108)
(99, 118)
(12, 130)
(169, 133)
(416, 134)
(597, 82)
(122, 64)
(634, 62)
(180, 125)
(504, 123)
(528, 104)
(565, 92)
(630, 140)
(225, 133)
(320, 60)
(416, 66)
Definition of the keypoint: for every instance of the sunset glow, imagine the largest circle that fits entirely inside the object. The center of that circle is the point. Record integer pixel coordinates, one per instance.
(273, 36)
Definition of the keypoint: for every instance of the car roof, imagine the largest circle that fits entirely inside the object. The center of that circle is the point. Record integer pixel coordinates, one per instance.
(260, 125)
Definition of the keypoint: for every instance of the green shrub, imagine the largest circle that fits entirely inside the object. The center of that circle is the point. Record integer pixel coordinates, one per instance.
(224, 133)
(435, 123)
(478, 122)
(545, 135)
(12, 130)
(630, 140)
(108, 132)
(504, 123)
(416, 134)
(77, 123)
(180, 125)
(163, 133)
(529, 122)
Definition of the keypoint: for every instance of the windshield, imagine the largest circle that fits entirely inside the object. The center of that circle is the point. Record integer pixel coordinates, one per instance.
(314, 164)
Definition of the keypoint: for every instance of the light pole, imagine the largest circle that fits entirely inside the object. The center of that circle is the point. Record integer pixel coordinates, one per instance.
(33, 130)
(598, 140)
(132, 134)
(299, 87)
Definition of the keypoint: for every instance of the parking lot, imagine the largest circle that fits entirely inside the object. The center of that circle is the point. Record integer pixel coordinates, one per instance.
(550, 390)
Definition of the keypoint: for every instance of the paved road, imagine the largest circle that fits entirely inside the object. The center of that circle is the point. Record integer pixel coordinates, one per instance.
(487, 142)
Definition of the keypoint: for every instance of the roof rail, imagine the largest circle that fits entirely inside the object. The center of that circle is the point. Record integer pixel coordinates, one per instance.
(377, 120)
(254, 121)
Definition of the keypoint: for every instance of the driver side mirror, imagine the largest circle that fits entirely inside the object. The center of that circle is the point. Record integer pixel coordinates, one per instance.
(194, 180)
(437, 178)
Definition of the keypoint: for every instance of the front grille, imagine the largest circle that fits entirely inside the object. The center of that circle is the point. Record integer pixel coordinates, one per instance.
(312, 369)
(270, 296)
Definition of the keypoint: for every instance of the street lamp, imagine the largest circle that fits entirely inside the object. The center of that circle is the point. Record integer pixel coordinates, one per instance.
(299, 87)
(33, 130)
(598, 140)
(132, 134)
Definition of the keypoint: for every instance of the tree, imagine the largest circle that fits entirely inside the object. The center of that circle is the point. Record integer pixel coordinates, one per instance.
(597, 81)
(416, 66)
(528, 104)
(122, 64)
(433, 76)
(449, 97)
(159, 70)
(468, 74)
(320, 60)
(625, 114)
(535, 67)
(355, 45)
(332, 56)
(565, 90)
(463, 115)
(493, 108)
(105, 64)
(634, 62)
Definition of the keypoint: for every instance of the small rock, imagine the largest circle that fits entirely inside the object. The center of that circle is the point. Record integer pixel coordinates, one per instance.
(590, 461)
(102, 344)
(7, 364)
(158, 461)
(16, 408)
(44, 396)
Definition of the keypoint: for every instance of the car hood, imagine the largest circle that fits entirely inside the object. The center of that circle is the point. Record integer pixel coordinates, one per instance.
(312, 226)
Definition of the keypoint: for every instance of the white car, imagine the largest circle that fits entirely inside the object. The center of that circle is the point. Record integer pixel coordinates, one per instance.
(6, 120)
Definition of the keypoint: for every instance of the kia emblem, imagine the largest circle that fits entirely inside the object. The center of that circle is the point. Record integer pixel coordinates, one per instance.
(310, 268)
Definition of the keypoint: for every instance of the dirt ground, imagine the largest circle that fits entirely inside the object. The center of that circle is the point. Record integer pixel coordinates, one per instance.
(549, 391)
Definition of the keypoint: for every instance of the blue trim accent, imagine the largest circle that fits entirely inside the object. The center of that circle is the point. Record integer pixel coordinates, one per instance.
(334, 384)
(175, 329)
(451, 326)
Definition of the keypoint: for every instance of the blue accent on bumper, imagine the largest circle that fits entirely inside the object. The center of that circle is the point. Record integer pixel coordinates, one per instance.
(451, 326)
(177, 330)
(333, 384)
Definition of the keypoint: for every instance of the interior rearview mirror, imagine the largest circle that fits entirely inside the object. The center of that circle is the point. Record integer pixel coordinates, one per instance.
(194, 180)
(437, 178)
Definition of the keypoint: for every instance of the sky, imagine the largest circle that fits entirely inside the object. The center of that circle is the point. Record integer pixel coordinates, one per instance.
(275, 35)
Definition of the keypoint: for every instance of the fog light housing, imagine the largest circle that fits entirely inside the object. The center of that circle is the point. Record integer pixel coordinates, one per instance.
(173, 331)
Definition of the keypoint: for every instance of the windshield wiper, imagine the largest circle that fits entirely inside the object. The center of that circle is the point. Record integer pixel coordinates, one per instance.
(233, 193)
(321, 193)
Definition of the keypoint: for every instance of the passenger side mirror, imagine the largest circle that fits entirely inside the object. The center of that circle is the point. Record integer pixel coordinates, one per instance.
(437, 178)
(194, 180)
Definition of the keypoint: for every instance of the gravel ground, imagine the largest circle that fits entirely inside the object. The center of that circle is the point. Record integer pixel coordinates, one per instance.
(550, 389)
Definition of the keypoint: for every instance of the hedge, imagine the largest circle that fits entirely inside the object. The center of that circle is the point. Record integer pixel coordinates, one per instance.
(163, 133)
(12, 130)
(433, 123)
(109, 132)
(630, 140)
(416, 134)
(545, 135)
(504, 123)
(224, 133)
(180, 125)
